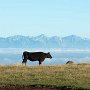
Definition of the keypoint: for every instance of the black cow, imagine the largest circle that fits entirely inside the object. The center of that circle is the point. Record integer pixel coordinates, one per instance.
(69, 62)
(35, 56)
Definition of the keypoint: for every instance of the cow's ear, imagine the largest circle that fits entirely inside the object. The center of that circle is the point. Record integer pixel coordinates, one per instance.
(48, 52)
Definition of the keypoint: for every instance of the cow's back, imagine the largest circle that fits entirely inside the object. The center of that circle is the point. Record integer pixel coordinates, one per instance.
(34, 56)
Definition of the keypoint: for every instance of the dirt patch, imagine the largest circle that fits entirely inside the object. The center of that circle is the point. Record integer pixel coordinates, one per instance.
(35, 87)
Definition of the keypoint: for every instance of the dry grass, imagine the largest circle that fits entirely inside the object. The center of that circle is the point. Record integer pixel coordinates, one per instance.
(75, 75)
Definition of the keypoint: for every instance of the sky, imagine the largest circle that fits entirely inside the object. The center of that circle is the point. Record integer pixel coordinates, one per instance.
(49, 17)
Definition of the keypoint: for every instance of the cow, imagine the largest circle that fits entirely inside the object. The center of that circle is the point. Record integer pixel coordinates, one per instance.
(69, 62)
(35, 56)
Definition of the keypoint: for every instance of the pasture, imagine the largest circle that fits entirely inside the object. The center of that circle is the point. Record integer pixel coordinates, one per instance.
(74, 76)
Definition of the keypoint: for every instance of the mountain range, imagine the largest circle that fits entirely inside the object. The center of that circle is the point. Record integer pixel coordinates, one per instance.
(42, 41)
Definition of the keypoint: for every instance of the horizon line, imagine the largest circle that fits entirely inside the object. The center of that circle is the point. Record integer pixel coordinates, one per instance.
(43, 35)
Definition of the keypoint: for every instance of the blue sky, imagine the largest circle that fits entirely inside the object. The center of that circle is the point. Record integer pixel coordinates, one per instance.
(50, 17)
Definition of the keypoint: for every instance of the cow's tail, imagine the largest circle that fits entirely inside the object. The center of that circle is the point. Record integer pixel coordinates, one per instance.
(22, 57)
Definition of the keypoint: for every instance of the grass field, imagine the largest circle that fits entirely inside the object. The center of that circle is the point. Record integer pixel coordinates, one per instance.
(71, 75)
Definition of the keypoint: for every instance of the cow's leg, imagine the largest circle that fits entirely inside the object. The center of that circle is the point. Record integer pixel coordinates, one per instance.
(40, 63)
(24, 61)
(41, 60)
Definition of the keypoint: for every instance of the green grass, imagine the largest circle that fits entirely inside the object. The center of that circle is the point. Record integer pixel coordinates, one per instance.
(74, 75)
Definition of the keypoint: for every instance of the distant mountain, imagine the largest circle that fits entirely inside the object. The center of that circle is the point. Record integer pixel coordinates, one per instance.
(42, 41)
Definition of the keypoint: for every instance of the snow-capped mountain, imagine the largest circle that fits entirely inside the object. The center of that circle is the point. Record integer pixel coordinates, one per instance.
(74, 41)
(43, 41)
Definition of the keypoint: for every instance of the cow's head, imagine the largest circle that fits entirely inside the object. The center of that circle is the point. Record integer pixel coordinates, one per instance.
(49, 55)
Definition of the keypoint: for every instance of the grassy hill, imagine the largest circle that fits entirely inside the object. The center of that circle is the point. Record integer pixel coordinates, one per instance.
(70, 76)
